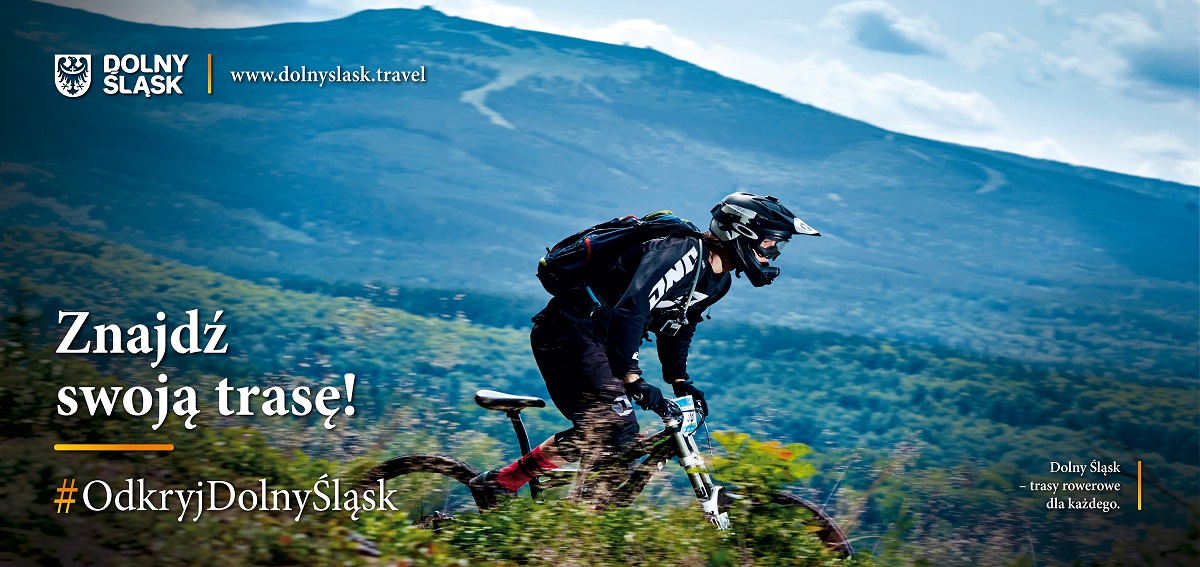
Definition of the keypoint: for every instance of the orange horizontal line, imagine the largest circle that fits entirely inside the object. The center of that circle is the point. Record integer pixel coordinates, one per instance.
(114, 447)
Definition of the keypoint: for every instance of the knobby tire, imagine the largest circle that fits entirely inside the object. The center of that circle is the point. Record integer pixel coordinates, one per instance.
(831, 535)
(429, 464)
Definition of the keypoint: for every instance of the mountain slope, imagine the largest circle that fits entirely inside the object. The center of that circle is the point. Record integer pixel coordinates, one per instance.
(519, 138)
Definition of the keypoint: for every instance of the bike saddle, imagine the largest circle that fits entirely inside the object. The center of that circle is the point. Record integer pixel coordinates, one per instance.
(499, 401)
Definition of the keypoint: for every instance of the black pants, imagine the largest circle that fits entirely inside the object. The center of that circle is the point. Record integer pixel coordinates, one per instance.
(571, 354)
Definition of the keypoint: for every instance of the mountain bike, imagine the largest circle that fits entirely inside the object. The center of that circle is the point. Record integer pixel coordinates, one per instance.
(676, 441)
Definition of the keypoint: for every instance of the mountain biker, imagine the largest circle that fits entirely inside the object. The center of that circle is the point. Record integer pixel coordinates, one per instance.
(589, 357)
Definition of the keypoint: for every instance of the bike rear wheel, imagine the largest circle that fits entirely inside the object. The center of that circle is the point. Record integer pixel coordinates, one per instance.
(432, 487)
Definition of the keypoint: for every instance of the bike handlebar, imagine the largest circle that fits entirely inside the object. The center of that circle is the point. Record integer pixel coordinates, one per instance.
(671, 410)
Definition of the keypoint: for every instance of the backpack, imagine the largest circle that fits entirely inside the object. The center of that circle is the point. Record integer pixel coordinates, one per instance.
(572, 263)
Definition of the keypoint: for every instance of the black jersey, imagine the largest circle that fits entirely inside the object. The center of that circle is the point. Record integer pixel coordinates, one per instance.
(648, 285)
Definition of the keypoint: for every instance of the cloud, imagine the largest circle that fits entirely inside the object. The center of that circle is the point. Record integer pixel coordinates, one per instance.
(878, 26)
(1146, 55)
(1170, 67)
(1159, 143)
(1158, 155)
(636, 32)
(990, 47)
(201, 13)
(1119, 28)
(892, 100)
(482, 10)
(1046, 148)
(1163, 155)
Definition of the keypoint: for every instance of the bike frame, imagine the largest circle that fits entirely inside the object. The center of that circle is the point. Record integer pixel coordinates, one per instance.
(674, 441)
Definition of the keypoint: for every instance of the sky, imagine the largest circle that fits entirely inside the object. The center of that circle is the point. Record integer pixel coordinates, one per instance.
(1102, 83)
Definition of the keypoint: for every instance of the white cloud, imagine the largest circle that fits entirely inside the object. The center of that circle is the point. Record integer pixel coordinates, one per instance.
(636, 32)
(990, 47)
(496, 13)
(1046, 148)
(184, 13)
(1162, 155)
(1091, 48)
(1119, 27)
(1158, 143)
(642, 33)
(1155, 54)
(1159, 155)
(879, 26)
(890, 100)
(1187, 171)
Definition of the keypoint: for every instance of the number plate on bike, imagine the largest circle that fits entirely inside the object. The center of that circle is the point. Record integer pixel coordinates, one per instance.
(690, 422)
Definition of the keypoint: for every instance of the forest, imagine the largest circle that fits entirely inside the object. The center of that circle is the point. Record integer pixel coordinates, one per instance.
(920, 452)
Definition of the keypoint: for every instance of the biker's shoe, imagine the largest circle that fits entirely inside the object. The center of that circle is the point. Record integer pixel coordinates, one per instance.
(486, 492)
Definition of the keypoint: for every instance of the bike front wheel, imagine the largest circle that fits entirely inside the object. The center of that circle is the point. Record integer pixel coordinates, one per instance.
(432, 487)
(831, 535)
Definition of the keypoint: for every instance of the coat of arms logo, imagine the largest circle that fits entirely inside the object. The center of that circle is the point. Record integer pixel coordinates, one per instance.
(73, 74)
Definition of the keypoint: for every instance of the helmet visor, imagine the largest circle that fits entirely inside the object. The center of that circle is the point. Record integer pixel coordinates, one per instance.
(770, 248)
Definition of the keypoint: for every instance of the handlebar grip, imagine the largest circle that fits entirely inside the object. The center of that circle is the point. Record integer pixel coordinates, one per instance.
(670, 405)
(671, 409)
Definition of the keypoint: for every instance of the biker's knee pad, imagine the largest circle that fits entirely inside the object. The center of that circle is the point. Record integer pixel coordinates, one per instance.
(568, 443)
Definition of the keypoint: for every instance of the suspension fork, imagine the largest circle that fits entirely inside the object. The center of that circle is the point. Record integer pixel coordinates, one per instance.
(702, 484)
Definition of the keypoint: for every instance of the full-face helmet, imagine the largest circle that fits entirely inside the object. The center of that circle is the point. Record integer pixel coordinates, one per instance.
(749, 223)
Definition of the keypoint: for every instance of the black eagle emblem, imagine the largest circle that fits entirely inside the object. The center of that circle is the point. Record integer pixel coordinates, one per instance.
(73, 73)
